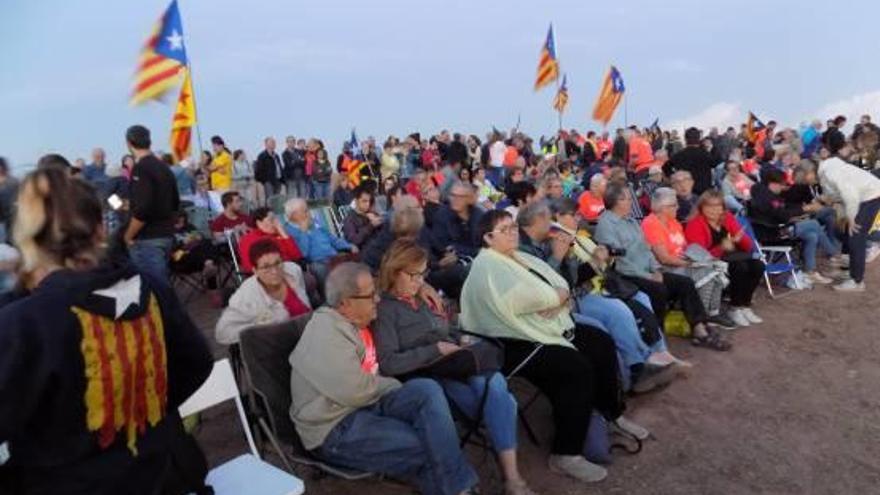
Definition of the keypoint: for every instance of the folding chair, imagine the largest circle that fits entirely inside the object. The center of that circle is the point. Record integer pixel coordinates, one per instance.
(246, 473)
(777, 259)
(265, 351)
(200, 218)
(232, 239)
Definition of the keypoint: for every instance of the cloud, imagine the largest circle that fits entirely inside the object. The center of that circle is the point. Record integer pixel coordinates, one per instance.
(721, 115)
(852, 108)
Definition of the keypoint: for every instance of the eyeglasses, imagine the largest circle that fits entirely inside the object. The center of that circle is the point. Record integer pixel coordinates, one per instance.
(506, 230)
(372, 295)
(272, 266)
(420, 275)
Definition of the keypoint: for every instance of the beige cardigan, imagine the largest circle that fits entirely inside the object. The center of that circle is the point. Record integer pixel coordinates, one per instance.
(501, 298)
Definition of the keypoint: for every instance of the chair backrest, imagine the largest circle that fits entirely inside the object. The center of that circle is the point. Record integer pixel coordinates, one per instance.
(219, 387)
(265, 351)
(233, 237)
(200, 218)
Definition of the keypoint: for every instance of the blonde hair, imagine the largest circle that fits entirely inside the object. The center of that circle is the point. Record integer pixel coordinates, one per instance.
(402, 254)
(58, 222)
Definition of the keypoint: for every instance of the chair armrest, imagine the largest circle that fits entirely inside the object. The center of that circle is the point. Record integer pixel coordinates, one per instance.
(777, 249)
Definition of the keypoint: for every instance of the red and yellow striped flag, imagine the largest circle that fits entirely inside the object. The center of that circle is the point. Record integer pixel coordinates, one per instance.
(609, 96)
(560, 103)
(183, 121)
(162, 60)
(548, 66)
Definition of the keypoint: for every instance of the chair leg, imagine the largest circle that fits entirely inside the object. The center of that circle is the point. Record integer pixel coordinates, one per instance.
(769, 285)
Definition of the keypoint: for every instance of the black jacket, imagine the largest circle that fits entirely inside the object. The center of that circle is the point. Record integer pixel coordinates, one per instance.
(449, 229)
(457, 153)
(64, 366)
(768, 211)
(154, 197)
(358, 229)
(698, 162)
(294, 163)
(266, 167)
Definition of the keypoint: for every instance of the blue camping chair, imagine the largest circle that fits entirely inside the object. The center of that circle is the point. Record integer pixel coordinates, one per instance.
(777, 259)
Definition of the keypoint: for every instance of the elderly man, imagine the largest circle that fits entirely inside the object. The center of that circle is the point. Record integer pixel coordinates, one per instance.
(349, 415)
(455, 228)
(96, 172)
(683, 184)
(318, 246)
(269, 168)
(591, 203)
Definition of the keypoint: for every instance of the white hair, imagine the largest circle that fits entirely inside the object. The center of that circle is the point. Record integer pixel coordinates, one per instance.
(293, 205)
(341, 283)
(596, 179)
(662, 196)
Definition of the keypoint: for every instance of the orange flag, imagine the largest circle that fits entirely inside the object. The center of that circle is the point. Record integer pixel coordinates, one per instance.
(609, 96)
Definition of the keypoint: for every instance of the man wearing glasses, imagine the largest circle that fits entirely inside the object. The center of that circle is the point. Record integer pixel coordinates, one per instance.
(349, 415)
(455, 226)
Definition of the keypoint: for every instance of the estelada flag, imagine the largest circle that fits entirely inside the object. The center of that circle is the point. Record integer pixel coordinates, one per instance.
(183, 121)
(754, 127)
(548, 66)
(609, 96)
(354, 170)
(560, 103)
(162, 60)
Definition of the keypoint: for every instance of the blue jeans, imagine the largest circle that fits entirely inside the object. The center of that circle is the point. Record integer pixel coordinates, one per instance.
(151, 256)
(408, 434)
(322, 189)
(827, 218)
(499, 412)
(495, 175)
(813, 237)
(616, 319)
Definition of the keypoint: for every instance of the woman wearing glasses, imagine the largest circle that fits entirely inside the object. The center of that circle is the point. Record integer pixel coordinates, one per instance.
(411, 336)
(275, 293)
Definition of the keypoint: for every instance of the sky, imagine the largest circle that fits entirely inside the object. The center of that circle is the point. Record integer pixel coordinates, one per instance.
(319, 68)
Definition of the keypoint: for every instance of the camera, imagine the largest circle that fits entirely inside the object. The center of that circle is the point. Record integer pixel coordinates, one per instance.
(615, 252)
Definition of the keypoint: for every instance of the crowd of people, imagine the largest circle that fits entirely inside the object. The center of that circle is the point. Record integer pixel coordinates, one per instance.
(456, 263)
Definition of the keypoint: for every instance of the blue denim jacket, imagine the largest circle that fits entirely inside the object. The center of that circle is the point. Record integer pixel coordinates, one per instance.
(316, 244)
(626, 233)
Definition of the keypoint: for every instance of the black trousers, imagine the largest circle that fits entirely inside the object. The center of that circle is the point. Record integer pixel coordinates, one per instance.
(673, 288)
(576, 381)
(745, 275)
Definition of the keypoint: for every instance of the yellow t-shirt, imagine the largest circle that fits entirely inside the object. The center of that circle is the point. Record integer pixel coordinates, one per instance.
(221, 179)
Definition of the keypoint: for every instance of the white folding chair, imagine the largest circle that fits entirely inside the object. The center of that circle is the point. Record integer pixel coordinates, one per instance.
(246, 473)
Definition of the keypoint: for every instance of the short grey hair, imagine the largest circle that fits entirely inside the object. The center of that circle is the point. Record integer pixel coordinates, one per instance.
(662, 196)
(341, 283)
(596, 179)
(615, 192)
(528, 214)
(293, 205)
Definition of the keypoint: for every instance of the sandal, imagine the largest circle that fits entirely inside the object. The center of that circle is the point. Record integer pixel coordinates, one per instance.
(712, 340)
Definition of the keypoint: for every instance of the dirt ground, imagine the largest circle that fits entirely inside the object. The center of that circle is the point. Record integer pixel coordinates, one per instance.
(793, 409)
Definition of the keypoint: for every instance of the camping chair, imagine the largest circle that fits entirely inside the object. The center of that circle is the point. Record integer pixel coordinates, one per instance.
(636, 210)
(232, 238)
(200, 218)
(266, 351)
(777, 259)
(521, 409)
(246, 473)
(276, 203)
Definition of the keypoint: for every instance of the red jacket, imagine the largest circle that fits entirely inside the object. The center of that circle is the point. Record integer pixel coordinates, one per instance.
(697, 232)
(289, 250)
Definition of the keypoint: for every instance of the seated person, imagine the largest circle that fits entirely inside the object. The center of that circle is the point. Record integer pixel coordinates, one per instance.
(805, 190)
(192, 253)
(349, 415)
(519, 194)
(591, 203)
(342, 195)
(618, 230)
(717, 231)
(455, 226)
(267, 226)
(554, 246)
(411, 336)
(361, 223)
(232, 217)
(665, 235)
(275, 293)
(768, 212)
(487, 194)
(736, 186)
(317, 245)
(524, 303)
(683, 184)
(431, 205)
(408, 222)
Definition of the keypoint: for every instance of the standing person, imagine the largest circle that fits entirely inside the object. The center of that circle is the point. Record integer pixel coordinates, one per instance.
(641, 156)
(154, 201)
(8, 192)
(294, 168)
(243, 176)
(859, 191)
(96, 172)
(221, 166)
(66, 390)
(833, 138)
(496, 159)
(350, 415)
(694, 159)
(322, 175)
(269, 169)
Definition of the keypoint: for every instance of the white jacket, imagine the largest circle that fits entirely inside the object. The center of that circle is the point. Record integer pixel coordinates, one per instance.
(848, 184)
(251, 305)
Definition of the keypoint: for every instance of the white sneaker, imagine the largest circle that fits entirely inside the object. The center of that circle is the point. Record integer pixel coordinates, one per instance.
(817, 278)
(629, 427)
(736, 314)
(751, 316)
(872, 253)
(850, 286)
(577, 467)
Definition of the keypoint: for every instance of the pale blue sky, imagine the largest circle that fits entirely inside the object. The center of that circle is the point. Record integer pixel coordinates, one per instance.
(318, 68)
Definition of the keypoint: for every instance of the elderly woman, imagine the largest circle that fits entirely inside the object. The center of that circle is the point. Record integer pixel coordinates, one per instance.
(275, 293)
(617, 229)
(716, 230)
(411, 336)
(643, 367)
(665, 235)
(520, 300)
(736, 186)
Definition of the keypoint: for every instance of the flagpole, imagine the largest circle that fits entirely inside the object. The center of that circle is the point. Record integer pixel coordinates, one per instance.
(195, 107)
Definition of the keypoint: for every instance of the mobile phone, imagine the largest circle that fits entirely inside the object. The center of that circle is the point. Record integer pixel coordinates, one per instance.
(114, 201)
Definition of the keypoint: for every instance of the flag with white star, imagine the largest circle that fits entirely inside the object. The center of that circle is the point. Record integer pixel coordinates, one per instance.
(162, 60)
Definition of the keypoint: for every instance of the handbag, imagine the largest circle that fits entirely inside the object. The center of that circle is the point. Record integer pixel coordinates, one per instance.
(478, 358)
(618, 287)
